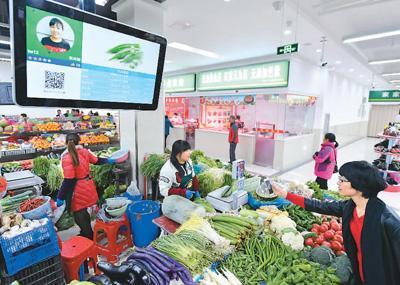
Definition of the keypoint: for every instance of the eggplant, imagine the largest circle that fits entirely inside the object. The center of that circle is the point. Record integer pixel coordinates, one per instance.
(139, 272)
(116, 273)
(100, 280)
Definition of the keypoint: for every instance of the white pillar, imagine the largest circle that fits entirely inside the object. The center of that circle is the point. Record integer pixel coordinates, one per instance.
(146, 15)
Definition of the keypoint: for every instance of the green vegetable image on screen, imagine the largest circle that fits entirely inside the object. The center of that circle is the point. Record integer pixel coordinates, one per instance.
(129, 54)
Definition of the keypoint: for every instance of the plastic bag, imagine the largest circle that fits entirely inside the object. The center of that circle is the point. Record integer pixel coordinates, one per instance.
(132, 189)
(278, 202)
(57, 213)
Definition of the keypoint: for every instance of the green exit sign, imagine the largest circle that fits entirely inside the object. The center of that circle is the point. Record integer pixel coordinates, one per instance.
(288, 49)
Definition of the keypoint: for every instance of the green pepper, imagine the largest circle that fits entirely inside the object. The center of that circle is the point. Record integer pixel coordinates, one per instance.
(300, 276)
(305, 267)
(334, 278)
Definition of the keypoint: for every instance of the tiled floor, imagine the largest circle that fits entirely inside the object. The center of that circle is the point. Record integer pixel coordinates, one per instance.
(359, 150)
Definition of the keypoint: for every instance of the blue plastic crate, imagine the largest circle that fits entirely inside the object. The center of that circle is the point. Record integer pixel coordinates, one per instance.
(29, 248)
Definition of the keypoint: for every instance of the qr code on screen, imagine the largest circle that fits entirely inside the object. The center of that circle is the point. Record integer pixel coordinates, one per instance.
(54, 80)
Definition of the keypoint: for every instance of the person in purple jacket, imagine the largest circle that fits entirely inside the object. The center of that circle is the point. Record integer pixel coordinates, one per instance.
(325, 160)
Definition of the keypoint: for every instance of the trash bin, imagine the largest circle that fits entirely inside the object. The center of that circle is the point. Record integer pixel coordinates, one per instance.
(141, 215)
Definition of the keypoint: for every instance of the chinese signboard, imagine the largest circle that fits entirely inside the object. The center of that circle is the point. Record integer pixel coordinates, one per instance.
(384, 96)
(265, 75)
(180, 83)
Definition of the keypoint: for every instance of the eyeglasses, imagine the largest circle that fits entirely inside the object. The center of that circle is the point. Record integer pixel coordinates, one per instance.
(343, 179)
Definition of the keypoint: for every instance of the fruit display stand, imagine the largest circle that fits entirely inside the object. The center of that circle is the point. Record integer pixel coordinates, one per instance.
(46, 136)
(390, 155)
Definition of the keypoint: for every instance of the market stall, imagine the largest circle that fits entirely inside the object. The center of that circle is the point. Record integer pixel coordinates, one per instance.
(270, 122)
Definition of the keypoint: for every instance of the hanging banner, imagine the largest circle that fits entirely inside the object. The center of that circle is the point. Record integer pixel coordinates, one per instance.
(264, 75)
(384, 96)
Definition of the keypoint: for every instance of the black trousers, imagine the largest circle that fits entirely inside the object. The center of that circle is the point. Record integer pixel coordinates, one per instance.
(232, 149)
(323, 183)
(165, 141)
(82, 219)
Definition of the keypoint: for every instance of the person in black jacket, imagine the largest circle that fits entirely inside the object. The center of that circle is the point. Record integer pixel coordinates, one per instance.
(371, 230)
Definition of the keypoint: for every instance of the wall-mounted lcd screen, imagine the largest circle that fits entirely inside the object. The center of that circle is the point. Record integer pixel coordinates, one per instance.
(65, 57)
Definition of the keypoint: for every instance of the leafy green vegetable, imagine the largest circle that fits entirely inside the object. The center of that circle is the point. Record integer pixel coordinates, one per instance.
(151, 167)
(203, 202)
(54, 177)
(213, 179)
(336, 195)
(303, 219)
(318, 193)
(109, 192)
(129, 54)
(102, 175)
(41, 165)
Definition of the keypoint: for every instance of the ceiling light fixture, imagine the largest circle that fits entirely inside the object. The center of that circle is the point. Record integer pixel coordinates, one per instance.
(351, 70)
(5, 59)
(384, 61)
(371, 37)
(101, 2)
(318, 50)
(227, 0)
(391, 74)
(338, 62)
(191, 49)
(287, 32)
(361, 75)
(5, 42)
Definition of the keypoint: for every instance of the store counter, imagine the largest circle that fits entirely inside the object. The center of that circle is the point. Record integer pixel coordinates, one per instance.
(176, 133)
(292, 151)
(215, 144)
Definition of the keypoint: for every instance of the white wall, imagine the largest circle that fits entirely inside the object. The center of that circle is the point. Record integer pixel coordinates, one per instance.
(149, 134)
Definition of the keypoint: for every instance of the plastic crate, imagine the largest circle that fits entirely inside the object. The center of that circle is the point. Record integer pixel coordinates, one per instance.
(47, 272)
(29, 248)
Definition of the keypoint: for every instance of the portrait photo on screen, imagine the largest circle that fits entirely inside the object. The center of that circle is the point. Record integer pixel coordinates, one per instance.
(55, 34)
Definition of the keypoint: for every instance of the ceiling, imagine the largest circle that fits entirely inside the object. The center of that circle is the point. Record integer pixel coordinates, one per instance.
(353, 18)
(241, 29)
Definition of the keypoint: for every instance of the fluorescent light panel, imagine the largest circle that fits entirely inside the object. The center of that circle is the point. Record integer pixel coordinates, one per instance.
(372, 37)
(384, 61)
(394, 81)
(191, 49)
(4, 42)
(5, 59)
(101, 2)
(391, 74)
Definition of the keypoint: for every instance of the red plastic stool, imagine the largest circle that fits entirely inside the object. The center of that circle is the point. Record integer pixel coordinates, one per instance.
(112, 231)
(74, 253)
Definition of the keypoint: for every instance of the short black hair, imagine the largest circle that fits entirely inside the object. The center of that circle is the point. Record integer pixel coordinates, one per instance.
(364, 177)
(24, 115)
(56, 21)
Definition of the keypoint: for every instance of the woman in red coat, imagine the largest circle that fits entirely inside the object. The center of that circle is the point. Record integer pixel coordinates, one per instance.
(78, 187)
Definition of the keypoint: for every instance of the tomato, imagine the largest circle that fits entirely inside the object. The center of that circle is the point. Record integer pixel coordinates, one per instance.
(326, 243)
(315, 231)
(336, 246)
(309, 242)
(316, 226)
(328, 235)
(338, 238)
(335, 226)
(315, 245)
(339, 233)
(340, 252)
(326, 223)
(320, 239)
(323, 228)
(340, 227)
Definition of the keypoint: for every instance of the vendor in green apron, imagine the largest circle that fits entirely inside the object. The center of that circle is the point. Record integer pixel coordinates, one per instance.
(177, 176)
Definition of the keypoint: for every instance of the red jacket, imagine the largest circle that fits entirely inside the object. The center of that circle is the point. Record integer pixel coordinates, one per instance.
(233, 134)
(85, 194)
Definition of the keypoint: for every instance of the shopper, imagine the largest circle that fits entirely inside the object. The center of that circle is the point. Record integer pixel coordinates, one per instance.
(59, 114)
(233, 138)
(110, 118)
(239, 123)
(177, 176)
(25, 122)
(371, 231)
(78, 188)
(326, 160)
(167, 126)
(67, 114)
